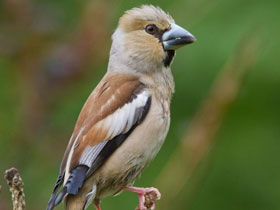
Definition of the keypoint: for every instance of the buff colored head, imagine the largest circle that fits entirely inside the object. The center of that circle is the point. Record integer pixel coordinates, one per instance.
(148, 35)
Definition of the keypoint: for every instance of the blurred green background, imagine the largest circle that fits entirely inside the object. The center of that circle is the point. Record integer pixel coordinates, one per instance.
(53, 53)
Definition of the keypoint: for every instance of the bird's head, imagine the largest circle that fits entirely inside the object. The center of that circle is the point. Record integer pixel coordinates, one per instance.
(146, 39)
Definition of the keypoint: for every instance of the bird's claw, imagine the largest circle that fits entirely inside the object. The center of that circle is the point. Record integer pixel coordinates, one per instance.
(147, 197)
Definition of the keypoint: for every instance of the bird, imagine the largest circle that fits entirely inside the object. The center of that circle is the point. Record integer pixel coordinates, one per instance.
(126, 118)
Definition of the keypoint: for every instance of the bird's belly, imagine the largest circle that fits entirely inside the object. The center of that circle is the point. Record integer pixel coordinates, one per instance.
(137, 151)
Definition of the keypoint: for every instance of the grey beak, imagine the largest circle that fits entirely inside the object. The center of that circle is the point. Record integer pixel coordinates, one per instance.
(176, 37)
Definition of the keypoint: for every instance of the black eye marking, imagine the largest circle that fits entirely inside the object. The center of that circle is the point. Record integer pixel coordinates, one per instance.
(151, 29)
(155, 31)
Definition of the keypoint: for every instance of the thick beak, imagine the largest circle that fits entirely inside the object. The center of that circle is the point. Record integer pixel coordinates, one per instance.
(176, 37)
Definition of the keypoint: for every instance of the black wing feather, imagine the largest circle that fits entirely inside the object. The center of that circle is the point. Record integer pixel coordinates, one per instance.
(74, 183)
(59, 181)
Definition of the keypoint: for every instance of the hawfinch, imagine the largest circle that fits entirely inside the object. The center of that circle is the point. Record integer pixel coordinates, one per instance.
(125, 120)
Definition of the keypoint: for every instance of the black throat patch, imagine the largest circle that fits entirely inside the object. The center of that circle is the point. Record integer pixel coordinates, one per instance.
(169, 53)
(169, 57)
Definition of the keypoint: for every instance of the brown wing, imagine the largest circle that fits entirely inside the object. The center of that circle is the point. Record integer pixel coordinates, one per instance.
(117, 105)
(112, 92)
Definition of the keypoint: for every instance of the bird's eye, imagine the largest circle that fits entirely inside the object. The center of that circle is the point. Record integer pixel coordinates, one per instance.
(151, 29)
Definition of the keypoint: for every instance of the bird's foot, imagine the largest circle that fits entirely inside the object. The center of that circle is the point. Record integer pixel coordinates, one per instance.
(146, 196)
(97, 205)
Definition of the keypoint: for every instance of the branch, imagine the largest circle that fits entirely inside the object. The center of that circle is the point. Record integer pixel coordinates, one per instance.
(16, 188)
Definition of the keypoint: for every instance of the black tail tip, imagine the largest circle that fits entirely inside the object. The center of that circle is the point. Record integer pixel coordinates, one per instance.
(50, 206)
(50, 203)
(55, 200)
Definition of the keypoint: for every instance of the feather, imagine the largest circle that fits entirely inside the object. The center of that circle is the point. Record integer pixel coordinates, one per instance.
(53, 195)
(76, 179)
(114, 143)
(74, 183)
(91, 153)
(90, 197)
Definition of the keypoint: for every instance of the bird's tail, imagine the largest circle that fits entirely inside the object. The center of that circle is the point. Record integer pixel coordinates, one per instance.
(81, 202)
(72, 186)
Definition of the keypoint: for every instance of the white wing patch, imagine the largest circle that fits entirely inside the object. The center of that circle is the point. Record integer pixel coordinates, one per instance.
(121, 121)
(90, 197)
(67, 174)
(90, 153)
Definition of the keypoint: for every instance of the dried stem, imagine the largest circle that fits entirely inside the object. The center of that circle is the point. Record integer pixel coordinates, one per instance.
(197, 141)
(16, 187)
